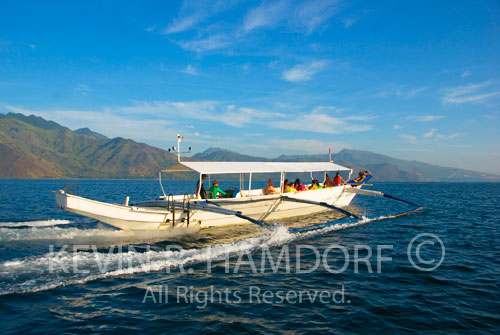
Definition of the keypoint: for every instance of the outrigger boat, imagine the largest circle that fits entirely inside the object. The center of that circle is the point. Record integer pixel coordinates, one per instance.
(190, 213)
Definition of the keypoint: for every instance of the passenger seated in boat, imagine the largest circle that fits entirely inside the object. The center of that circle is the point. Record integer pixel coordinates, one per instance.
(290, 188)
(200, 189)
(328, 182)
(214, 191)
(315, 185)
(285, 185)
(338, 180)
(298, 186)
(362, 176)
(270, 189)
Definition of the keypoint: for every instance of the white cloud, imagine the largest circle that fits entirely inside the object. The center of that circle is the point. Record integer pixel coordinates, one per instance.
(396, 126)
(239, 117)
(349, 22)
(193, 12)
(214, 33)
(360, 118)
(466, 73)
(401, 91)
(304, 72)
(289, 106)
(307, 15)
(83, 89)
(320, 122)
(309, 146)
(182, 24)
(215, 111)
(448, 137)
(425, 118)
(190, 70)
(212, 42)
(152, 121)
(255, 134)
(268, 14)
(491, 116)
(327, 109)
(477, 93)
(314, 13)
(150, 28)
(410, 138)
(430, 133)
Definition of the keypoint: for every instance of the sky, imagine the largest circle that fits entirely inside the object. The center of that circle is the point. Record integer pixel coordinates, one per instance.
(416, 80)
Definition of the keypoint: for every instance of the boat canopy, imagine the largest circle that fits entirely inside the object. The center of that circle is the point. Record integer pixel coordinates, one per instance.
(254, 167)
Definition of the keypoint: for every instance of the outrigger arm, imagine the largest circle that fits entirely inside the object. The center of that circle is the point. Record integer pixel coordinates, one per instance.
(380, 194)
(323, 204)
(353, 220)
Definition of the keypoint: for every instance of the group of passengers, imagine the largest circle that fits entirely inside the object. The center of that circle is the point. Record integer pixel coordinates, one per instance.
(297, 186)
(288, 187)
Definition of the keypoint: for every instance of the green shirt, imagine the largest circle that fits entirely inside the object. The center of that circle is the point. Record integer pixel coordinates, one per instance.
(213, 191)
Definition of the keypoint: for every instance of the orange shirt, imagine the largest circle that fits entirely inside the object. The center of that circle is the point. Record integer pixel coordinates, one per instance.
(337, 180)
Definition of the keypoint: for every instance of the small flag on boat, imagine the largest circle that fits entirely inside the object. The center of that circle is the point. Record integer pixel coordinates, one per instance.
(330, 154)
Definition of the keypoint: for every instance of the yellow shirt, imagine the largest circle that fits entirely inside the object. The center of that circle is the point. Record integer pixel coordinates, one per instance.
(290, 189)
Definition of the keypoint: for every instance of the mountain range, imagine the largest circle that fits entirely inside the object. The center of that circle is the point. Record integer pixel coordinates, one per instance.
(32, 147)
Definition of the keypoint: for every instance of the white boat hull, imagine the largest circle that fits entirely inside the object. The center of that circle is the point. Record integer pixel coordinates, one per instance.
(133, 218)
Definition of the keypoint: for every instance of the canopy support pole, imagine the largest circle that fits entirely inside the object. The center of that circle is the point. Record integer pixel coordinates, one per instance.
(250, 184)
(161, 185)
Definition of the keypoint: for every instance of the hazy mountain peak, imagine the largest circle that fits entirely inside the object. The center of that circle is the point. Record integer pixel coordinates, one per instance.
(86, 131)
(212, 150)
(36, 121)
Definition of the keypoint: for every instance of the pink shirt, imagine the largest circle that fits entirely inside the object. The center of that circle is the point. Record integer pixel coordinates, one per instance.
(300, 188)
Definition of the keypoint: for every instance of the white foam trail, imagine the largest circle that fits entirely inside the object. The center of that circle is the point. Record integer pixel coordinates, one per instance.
(41, 223)
(89, 236)
(53, 270)
(57, 269)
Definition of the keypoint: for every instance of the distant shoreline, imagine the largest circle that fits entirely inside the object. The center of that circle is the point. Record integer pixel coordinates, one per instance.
(163, 179)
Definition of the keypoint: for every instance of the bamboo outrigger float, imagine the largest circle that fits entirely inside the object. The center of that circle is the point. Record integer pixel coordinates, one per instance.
(190, 213)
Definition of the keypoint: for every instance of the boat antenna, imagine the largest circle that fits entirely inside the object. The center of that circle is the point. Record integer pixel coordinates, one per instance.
(178, 149)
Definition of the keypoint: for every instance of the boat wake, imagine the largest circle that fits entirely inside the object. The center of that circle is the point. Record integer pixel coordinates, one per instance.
(41, 223)
(86, 236)
(56, 269)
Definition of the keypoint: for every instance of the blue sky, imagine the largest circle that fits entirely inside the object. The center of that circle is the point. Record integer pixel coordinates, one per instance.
(415, 80)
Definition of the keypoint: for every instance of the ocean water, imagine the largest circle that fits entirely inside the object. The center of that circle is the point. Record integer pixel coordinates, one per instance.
(435, 271)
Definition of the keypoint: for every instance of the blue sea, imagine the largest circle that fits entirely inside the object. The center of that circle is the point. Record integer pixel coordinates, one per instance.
(436, 271)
